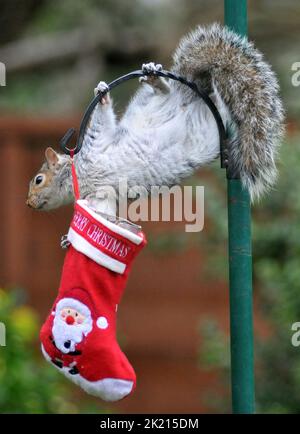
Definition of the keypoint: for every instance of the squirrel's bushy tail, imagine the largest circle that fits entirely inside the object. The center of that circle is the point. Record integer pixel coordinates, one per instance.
(215, 56)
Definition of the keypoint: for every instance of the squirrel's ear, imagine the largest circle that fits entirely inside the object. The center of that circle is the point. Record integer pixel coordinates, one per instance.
(51, 157)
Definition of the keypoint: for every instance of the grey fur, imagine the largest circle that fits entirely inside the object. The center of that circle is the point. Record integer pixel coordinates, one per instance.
(249, 88)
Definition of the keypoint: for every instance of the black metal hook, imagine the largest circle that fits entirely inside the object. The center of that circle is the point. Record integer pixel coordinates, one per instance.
(66, 139)
(139, 73)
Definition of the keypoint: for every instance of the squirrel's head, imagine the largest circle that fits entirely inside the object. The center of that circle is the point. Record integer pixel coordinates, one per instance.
(50, 189)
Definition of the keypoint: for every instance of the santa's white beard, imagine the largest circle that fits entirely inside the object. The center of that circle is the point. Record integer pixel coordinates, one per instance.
(70, 335)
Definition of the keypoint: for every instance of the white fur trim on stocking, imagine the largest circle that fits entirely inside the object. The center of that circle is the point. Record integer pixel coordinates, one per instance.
(108, 389)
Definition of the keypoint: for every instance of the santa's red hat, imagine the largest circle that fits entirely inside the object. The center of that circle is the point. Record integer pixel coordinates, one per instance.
(77, 299)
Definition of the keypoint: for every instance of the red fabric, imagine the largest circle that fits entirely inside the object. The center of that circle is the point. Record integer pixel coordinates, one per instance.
(97, 356)
(74, 177)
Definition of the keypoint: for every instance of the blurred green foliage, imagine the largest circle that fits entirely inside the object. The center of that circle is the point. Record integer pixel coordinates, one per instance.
(152, 30)
(28, 383)
(276, 272)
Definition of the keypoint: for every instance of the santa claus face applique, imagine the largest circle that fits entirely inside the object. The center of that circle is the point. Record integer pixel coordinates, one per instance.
(71, 316)
(79, 336)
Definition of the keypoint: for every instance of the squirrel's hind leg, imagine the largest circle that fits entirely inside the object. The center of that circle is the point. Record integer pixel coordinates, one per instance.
(157, 83)
(102, 125)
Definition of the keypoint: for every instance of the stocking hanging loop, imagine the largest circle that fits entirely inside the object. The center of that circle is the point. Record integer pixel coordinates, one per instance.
(74, 175)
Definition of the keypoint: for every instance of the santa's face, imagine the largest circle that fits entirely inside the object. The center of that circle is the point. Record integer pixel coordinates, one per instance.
(72, 316)
(72, 322)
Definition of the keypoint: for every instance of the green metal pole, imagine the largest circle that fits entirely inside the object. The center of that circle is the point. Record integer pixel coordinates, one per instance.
(240, 264)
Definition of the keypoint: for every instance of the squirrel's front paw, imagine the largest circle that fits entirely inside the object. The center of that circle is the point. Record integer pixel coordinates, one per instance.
(64, 242)
(102, 87)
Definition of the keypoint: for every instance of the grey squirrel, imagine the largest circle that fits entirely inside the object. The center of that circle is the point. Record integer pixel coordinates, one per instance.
(167, 131)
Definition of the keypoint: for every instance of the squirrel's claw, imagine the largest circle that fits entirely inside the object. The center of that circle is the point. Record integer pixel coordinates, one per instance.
(64, 242)
(151, 67)
(102, 87)
(151, 77)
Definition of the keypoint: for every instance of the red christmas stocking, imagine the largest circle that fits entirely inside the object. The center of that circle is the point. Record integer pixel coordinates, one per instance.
(79, 335)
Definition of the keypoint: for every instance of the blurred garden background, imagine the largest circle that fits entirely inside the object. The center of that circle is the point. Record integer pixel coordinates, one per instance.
(173, 321)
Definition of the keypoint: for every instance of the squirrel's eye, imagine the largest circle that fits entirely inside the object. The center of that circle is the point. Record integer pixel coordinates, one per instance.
(39, 179)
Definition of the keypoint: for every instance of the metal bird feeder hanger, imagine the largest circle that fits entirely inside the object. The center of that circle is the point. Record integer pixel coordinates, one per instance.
(64, 142)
